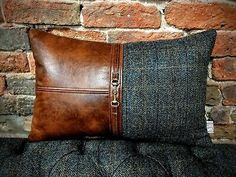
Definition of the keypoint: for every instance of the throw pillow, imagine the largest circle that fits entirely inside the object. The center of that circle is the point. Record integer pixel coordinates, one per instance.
(145, 90)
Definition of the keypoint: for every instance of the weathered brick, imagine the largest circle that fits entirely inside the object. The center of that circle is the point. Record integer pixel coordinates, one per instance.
(42, 12)
(31, 61)
(220, 115)
(201, 15)
(233, 116)
(21, 84)
(14, 38)
(7, 104)
(207, 112)
(27, 123)
(2, 84)
(120, 15)
(1, 14)
(134, 36)
(24, 105)
(229, 95)
(224, 132)
(213, 96)
(82, 35)
(12, 124)
(13, 62)
(225, 44)
(224, 69)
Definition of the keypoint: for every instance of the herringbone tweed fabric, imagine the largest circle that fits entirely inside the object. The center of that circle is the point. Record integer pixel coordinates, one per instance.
(113, 158)
(164, 89)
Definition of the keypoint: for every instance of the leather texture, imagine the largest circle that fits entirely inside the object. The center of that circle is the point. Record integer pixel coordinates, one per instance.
(74, 87)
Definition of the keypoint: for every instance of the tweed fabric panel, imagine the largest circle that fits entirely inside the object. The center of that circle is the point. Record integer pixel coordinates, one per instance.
(164, 85)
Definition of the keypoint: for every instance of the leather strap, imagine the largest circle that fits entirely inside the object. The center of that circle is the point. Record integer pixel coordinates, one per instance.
(116, 89)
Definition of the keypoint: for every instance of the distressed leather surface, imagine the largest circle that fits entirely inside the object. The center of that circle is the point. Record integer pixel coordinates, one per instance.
(73, 87)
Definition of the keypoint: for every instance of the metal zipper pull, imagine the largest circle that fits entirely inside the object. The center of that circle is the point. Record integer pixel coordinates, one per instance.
(115, 84)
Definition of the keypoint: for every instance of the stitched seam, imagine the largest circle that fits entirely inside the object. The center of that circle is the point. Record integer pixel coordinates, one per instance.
(49, 174)
(121, 57)
(187, 40)
(101, 171)
(122, 163)
(159, 164)
(110, 91)
(72, 90)
(190, 163)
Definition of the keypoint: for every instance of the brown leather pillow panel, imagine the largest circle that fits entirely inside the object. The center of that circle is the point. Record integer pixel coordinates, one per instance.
(77, 87)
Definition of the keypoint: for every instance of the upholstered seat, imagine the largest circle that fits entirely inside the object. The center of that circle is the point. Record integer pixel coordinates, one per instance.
(118, 158)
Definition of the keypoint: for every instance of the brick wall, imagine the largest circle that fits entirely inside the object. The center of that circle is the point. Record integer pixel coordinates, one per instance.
(115, 21)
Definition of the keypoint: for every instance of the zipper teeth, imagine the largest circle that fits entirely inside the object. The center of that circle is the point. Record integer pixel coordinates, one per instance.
(115, 75)
(73, 90)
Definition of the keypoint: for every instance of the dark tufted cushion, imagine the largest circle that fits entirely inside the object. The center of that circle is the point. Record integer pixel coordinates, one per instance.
(14, 159)
(164, 89)
(107, 158)
(10, 147)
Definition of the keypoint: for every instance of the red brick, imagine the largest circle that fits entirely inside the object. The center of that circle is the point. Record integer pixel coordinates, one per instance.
(225, 44)
(31, 61)
(134, 36)
(201, 15)
(13, 62)
(120, 15)
(82, 35)
(2, 84)
(42, 12)
(229, 95)
(224, 69)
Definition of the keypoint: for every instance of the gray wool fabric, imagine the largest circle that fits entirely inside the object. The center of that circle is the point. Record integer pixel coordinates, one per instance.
(113, 158)
(164, 89)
